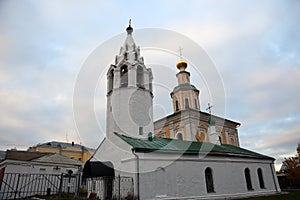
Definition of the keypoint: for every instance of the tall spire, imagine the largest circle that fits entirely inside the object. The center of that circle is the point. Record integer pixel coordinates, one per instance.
(129, 92)
(129, 52)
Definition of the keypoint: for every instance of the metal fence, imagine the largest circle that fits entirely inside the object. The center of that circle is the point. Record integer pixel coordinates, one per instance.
(64, 186)
(110, 187)
(25, 186)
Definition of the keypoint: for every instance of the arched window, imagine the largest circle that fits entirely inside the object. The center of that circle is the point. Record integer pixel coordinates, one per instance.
(209, 180)
(224, 141)
(186, 102)
(124, 76)
(179, 136)
(195, 102)
(176, 105)
(248, 179)
(111, 80)
(139, 77)
(260, 178)
(232, 142)
(141, 130)
(150, 86)
(202, 136)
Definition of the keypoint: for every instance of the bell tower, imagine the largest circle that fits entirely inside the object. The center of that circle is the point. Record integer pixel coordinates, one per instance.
(184, 95)
(129, 92)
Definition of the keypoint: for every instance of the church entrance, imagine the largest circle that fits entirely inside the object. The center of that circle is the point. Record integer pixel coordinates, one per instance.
(102, 175)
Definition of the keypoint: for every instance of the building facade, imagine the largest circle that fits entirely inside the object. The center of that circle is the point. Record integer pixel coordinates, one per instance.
(70, 150)
(38, 163)
(24, 174)
(188, 122)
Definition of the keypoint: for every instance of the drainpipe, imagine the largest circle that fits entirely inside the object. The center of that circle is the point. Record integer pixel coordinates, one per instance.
(137, 172)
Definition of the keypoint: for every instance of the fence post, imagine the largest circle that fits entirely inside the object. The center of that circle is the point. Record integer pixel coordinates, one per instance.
(78, 185)
(133, 187)
(119, 179)
(17, 186)
(60, 186)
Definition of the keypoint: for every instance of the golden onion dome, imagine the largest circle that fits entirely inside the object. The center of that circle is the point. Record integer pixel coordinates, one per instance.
(181, 64)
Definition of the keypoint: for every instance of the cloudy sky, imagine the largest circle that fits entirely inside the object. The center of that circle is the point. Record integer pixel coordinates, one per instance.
(254, 46)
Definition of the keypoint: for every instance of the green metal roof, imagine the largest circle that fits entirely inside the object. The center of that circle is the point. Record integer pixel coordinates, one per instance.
(167, 145)
(184, 86)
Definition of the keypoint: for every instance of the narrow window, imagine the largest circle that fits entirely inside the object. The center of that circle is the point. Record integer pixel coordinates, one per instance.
(260, 178)
(202, 136)
(176, 105)
(224, 137)
(111, 80)
(232, 142)
(150, 86)
(139, 77)
(186, 101)
(124, 76)
(195, 101)
(179, 136)
(209, 180)
(248, 179)
(141, 130)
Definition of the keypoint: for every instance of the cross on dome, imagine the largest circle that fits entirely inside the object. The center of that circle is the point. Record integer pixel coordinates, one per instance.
(180, 51)
(209, 108)
(181, 64)
(129, 29)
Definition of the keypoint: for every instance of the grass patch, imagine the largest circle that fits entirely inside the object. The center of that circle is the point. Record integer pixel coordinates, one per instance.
(291, 195)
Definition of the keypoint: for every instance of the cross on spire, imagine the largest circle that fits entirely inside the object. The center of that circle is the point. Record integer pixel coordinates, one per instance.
(209, 108)
(129, 22)
(180, 51)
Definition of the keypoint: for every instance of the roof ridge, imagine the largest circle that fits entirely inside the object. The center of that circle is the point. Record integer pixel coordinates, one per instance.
(168, 145)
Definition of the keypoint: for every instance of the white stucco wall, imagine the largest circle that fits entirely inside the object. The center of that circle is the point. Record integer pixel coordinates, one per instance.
(163, 175)
(185, 177)
(127, 110)
(119, 153)
(37, 169)
(32, 167)
(115, 150)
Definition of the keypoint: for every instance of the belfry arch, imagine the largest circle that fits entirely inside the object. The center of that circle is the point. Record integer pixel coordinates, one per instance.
(124, 76)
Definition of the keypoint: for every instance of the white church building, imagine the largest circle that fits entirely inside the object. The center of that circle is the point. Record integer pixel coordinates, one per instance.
(189, 155)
